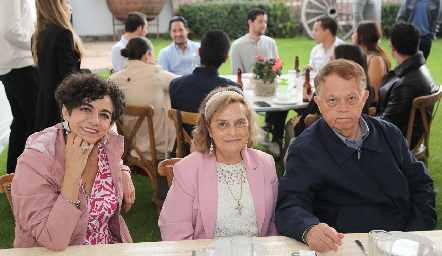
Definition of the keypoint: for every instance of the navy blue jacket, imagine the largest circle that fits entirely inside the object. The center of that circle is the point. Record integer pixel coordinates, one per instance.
(187, 92)
(386, 188)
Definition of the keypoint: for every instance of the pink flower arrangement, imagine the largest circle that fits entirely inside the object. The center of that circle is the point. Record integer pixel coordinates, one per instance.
(267, 69)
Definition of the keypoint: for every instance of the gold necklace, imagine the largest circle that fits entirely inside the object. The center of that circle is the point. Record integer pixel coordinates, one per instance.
(238, 204)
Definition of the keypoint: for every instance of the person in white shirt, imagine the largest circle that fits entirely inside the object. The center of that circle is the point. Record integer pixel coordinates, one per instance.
(246, 48)
(243, 53)
(17, 73)
(324, 33)
(135, 25)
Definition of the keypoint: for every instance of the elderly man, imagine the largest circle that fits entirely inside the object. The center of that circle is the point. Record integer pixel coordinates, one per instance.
(181, 56)
(350, 172)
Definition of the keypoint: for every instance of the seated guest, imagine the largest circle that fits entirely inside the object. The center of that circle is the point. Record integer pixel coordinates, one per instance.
(368, 34)
(181, 56)
(187, 92)
(224, 188)
(145, 82)
(244, 50)
(67, 188)
(343, 51)
(350, 173)
(410, 79)
(134, 25)
(324, 33)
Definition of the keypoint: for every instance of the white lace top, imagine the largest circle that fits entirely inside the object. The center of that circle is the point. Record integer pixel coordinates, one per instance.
(234, 219)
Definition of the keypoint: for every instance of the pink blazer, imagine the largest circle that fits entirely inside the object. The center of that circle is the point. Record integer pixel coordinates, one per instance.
(42, 216)
(190, 209)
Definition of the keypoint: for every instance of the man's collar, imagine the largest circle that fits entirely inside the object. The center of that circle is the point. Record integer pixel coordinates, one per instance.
(185, 44)
(205, 71)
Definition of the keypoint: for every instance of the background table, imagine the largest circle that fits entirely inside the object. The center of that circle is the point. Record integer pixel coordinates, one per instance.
(251, 97)
(275, 246)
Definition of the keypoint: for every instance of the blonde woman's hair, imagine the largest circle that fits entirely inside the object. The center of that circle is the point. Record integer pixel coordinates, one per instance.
(51, 12)
(214, 102)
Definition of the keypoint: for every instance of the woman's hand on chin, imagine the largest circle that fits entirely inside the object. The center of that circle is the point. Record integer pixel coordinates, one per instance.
(75, 159)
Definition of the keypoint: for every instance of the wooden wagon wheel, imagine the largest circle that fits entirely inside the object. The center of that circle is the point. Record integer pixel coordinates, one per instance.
(340, 10)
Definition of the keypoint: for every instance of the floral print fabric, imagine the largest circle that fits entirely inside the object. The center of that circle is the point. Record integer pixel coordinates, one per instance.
(102, 204)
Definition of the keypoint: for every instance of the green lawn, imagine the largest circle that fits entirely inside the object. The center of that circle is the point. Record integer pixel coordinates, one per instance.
(142, 219)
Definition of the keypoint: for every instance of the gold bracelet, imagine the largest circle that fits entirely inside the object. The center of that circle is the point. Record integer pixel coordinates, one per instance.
(77, 204)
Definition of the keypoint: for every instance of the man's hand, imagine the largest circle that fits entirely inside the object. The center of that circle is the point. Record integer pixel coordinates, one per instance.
(323, 238)
(128, 190)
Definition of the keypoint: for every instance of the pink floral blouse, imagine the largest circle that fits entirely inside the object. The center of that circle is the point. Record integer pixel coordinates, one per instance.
(102, 204)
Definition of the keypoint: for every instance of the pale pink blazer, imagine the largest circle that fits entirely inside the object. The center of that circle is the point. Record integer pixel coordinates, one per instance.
(42, 216)
(190, 209)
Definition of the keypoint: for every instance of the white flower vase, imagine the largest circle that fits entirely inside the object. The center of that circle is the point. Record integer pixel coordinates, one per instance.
(261, 89)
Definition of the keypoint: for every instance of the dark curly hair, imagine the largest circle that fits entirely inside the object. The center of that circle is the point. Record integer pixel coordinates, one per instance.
(79, 88)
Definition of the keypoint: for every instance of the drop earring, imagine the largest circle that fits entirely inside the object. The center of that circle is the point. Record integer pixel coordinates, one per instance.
(211, 146)
(246, 146)
(66, 127)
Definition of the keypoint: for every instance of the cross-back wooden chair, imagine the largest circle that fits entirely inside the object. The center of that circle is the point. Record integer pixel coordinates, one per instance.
(186, 118)
(5, 186)
(372, 111)
(422, 149)
(144, 113)
(310, 119)
(165, 168)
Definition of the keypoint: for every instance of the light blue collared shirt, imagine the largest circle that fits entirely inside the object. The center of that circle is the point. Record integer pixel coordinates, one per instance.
(353, 143)
(172, 59)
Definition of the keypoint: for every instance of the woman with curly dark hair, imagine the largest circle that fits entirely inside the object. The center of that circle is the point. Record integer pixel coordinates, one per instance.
(70, 180)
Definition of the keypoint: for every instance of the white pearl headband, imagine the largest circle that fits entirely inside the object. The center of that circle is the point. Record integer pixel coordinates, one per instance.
(219, 95)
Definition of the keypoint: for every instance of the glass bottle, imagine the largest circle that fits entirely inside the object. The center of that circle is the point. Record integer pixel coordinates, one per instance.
(307, 88)
(194, 62)
(239, 79)
(297, 66)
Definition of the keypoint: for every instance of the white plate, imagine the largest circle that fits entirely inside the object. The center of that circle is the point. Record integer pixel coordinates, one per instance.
(246, 75)
(285, 101)
(224, 245)
(408, 244)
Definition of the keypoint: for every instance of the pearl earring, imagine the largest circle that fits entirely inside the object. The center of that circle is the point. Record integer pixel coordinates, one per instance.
(246, 146)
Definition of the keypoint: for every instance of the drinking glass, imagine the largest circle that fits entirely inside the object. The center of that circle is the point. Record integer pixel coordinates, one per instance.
(210, 251)
(292, 83)
(380, 243)
(241, 246)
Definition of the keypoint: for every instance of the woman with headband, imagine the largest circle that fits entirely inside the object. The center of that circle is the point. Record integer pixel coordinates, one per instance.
(224, 188)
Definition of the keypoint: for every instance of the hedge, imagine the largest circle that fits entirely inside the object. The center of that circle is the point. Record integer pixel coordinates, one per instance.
(231, 17)
(281, 19)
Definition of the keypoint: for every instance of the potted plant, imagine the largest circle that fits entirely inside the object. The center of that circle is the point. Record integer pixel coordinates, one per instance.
(265, 72)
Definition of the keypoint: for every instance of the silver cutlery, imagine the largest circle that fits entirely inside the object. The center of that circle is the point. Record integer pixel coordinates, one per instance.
(361, 246)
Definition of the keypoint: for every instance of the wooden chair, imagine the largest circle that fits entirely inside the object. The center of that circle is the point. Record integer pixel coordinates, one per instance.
(5, 186)
(187, 118)
(165, 168)
(422, 149)
(372, 111)
(144, 113)
(310, 119)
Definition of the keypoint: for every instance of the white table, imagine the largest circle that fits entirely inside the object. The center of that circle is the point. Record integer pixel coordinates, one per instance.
(275, 246)
(251, 98)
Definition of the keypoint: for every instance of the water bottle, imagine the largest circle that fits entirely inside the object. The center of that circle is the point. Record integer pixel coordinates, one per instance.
(194, 62)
